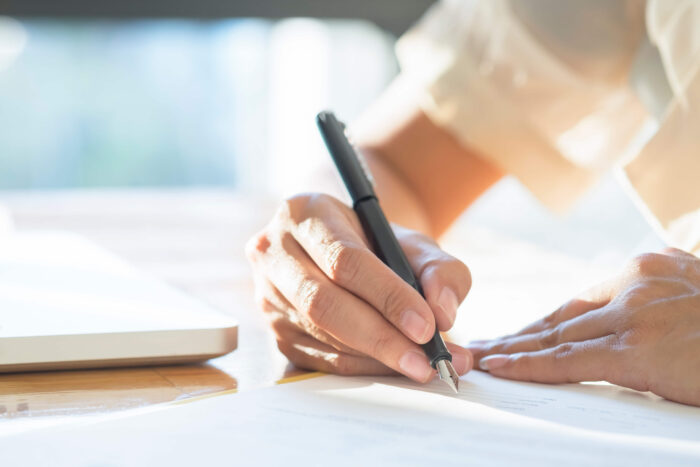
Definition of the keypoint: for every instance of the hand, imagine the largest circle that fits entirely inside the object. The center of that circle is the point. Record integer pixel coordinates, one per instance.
(335, 307)
(640, 330)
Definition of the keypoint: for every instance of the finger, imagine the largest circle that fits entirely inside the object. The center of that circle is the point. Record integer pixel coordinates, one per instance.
(307, 353)
(310, 354)
(340, 313)
(267, 297)
(570, 310)
(281, 315)
(592, 360)
(287, 329)
(345, 259)
(462, 359)
(445, 279)
(584, 327)
(445, 283)
(594, 298)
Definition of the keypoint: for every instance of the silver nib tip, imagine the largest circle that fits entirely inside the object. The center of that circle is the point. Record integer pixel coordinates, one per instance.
(448, 374)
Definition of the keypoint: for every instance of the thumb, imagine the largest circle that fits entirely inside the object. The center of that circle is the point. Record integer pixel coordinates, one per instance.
(445, 279)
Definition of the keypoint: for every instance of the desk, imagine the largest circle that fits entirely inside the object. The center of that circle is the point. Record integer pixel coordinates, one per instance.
(193, 240)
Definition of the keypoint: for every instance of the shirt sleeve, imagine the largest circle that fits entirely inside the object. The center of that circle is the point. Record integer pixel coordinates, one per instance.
(664, 175)
(485, 76)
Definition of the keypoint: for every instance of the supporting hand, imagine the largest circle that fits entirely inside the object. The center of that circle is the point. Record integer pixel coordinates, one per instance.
(640, 330)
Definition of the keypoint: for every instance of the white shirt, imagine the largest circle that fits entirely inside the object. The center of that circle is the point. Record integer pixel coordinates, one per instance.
(558, 92)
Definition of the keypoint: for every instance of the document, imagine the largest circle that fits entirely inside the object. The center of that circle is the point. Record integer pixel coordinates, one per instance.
(331, 421)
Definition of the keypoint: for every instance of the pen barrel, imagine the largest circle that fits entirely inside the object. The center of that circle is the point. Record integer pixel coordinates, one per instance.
(386, 246)
(436, 349)
(344, 156)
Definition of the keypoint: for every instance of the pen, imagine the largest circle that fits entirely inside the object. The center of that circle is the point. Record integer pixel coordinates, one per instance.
(377, 229)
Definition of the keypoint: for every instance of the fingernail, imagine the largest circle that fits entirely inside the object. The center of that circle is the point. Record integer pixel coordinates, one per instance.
(461, 362)
(415, 365)
(478, 342)
(415, 325)
(447, 300)
(493, 361)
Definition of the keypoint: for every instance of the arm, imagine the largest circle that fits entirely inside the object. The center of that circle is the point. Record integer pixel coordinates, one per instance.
(424, 177)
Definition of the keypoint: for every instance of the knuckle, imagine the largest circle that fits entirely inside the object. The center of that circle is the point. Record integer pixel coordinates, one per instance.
(264, 303)
(313, 199)
(287, 349)
(647, 264)
(553, 318)
(670, 250)
(448, 269)
(297, 207)
(633, 336)
(342, 365)
(381, 344)
(393, 301)
(257, 246)
(500, 345)
(279, 325)
(549, 337)
(458, 272)
(560, 361)
(429, 264)
(563, 351)
(294, 208)
(292, 205)
(315, 301)
(287, 244)
(637, 294)
(343, 262)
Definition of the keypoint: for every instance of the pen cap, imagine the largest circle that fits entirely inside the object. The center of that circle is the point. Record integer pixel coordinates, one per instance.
(345, 157)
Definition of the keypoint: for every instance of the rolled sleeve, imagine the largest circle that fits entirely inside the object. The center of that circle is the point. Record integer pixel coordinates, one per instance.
(484, 78)
(664, 176)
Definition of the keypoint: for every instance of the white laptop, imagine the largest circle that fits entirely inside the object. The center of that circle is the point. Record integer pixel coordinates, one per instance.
(67, 303)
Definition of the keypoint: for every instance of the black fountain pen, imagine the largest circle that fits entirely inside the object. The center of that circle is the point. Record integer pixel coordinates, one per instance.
(378, 230)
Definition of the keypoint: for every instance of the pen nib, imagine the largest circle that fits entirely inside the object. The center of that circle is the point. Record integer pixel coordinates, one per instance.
(448, 374)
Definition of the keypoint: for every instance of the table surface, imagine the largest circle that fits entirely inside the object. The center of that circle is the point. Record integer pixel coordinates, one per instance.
(191, 239)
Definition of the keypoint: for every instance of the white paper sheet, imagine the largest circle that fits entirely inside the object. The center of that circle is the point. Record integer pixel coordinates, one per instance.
(384, 421)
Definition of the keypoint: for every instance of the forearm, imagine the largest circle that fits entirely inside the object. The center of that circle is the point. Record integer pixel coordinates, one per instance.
(400, 203)
(425, 177)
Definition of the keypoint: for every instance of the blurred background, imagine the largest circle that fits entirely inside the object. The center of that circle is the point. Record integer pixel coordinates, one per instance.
(223, 94)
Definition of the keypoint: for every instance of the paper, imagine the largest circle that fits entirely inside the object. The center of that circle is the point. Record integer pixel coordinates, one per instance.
(515, 283)
(334, 421)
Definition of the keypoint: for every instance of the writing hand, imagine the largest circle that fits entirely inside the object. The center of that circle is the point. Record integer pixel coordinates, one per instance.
(335, 307)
